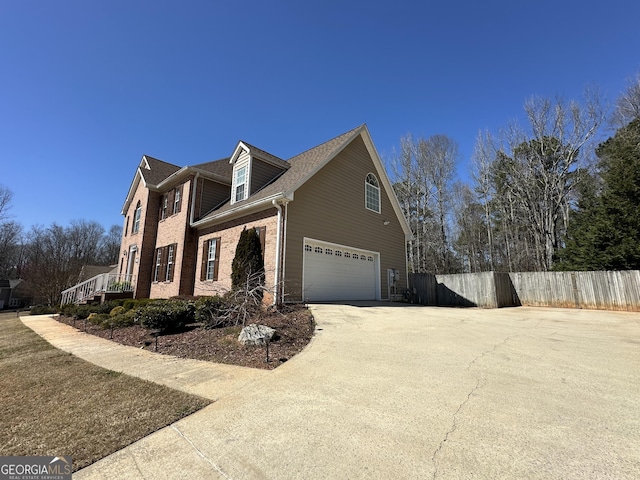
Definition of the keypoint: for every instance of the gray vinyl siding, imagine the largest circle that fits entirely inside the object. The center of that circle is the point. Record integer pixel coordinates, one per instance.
(261, 174)
(331, 207)
(212, 194)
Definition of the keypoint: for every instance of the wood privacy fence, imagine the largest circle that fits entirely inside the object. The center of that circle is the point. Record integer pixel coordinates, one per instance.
(590, 290)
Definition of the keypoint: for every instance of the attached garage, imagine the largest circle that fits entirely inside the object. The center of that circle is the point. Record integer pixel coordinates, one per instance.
(339, 272)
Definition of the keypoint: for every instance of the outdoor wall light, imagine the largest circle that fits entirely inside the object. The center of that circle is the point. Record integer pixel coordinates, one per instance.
(386, 222)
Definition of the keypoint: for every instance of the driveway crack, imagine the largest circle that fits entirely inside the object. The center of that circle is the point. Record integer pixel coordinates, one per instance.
(454, 421)
(454, 426)
(199, 452)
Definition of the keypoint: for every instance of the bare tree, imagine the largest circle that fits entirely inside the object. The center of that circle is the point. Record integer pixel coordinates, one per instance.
(54, 257)
(10, 249)
(470, 231)
(109, 246)
(424, 170)
(437, 157)
(530, 178)
(414, 196)
(6, 196)
(483, 155)
(628, 104)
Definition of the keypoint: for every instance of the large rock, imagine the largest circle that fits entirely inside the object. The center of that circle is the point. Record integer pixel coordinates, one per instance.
(256, 334)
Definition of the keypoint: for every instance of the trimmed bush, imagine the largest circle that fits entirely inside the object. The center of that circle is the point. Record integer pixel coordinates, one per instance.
(166, 316)
(212, 311)
(115, 311)
(83, 311)
(132, 303)
(125, 319)
(98, 318)
(42, 310)
(68, 309)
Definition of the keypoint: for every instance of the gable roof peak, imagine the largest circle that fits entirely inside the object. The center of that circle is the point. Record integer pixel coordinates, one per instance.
(257, 153)
(337, 140)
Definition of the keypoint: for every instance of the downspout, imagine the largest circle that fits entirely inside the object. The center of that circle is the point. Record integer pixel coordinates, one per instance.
(284, 248)
(276, 280)
(195, 247)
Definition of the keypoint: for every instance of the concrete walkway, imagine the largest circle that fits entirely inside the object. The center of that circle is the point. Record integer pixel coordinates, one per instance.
(206, 379)
(413, 392)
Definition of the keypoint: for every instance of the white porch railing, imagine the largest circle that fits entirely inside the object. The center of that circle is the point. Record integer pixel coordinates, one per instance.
(103, 283)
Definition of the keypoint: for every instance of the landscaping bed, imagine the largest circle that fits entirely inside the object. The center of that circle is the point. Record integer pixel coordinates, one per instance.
(294, 327)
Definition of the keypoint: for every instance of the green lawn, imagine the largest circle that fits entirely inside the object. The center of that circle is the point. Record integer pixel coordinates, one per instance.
(56, 404)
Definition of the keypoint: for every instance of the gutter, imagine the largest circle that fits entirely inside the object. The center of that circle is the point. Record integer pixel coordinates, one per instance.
(243, 209)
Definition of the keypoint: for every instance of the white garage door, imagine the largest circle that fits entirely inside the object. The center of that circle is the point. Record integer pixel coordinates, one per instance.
(336, 272)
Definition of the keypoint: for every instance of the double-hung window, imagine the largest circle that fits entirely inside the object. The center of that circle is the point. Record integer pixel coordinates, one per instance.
(164, 207)
(158, 269)
(177, 199)
(240, 184)
(210, 259)
(170, 257)
(136, 218)
(164, 263)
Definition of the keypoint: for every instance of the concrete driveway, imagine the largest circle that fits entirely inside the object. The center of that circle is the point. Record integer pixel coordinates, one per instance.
(419, 392)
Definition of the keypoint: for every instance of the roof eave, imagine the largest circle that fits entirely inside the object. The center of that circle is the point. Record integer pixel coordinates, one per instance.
(134, 184)
(242, 210)
(382, 174)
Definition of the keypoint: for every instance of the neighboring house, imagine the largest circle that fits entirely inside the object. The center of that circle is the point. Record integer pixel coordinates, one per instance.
(7, 297)
(329, 223)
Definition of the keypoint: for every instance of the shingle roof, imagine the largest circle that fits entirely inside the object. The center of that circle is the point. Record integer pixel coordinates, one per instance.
(90, 271)
(159, 170)
(266, 155)
(302, 166)
(220, 167)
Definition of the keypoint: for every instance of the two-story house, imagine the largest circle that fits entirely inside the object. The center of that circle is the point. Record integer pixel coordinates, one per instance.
(329, 223)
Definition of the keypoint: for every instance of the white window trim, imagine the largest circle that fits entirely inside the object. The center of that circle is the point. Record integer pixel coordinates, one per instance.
(165, 206)
(245, 193)
(211, 259)
(367, 186)
(156, 272)
(177, 198)
(136, 218)
(170, 261)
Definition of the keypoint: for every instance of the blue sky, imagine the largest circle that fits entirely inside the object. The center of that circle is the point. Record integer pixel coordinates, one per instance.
(88, 87)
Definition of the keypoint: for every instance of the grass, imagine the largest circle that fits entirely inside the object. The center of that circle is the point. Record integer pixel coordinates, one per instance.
(56, 404)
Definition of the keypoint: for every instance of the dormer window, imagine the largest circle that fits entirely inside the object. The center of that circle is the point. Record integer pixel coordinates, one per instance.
(240, 184)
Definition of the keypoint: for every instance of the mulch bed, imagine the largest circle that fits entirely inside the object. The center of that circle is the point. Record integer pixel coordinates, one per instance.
(294, 328)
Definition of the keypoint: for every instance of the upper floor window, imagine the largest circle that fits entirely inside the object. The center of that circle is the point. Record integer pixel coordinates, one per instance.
(170, 203)
(372, 193)
(136, 218)
(240, 184)
(164, 206)
(177, 199)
